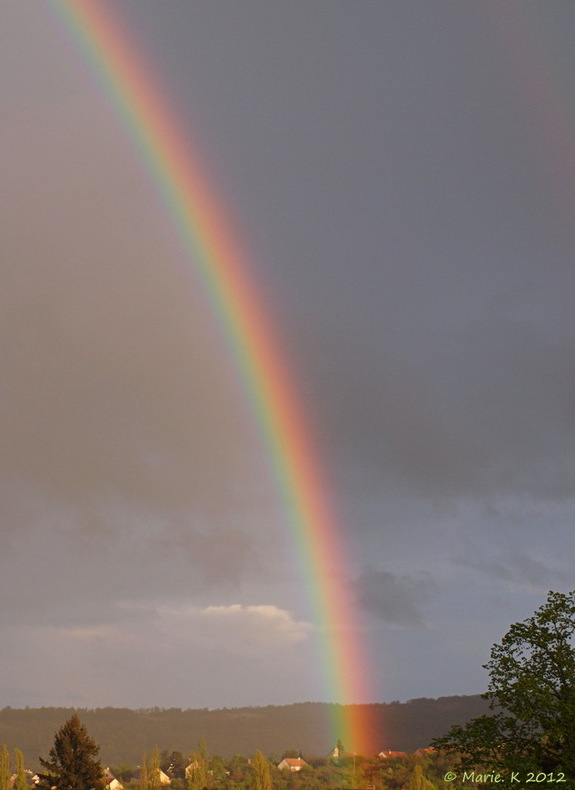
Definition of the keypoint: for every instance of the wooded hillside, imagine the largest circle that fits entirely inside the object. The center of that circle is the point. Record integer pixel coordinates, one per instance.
(124, 735)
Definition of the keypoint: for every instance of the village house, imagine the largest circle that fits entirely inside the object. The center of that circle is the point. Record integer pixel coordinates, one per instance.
(389, 755)
(111, 782)
(292, 764)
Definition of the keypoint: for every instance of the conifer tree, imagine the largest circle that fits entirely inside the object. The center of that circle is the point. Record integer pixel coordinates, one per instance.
(261, 777)
(72, 762)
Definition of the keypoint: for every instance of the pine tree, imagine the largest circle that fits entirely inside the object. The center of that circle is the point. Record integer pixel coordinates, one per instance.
(21, 781)
(261, 777)
(72, 762)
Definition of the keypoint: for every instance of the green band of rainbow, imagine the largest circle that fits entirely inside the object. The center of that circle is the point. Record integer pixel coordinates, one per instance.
(215, 258)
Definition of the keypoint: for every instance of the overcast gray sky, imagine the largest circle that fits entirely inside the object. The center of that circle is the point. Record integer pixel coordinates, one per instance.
(403, 175)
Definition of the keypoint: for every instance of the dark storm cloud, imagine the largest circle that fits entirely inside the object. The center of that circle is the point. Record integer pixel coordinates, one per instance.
(431, 324)
(393, 598)
(485, 413)
(86, 564)
(116, 383)
(516, 566)
(388, 177)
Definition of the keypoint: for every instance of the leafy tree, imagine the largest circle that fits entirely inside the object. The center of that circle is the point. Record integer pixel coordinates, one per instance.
(4, 768)
(154, 770)
(21, 780)
(261, 777)
(144, 782)
(418, 781)
(196, 772)
(203, 749)
(237, 766)
(173, 763)
(218, 768)
(531, 695)
(72, 762)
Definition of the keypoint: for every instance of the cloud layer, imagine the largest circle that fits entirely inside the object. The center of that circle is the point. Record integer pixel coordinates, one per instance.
(405, 221)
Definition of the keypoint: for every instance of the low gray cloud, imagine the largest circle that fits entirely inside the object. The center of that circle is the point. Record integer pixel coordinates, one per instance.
(483, 414)
(516, 566)
(183, 654)
(393, 598)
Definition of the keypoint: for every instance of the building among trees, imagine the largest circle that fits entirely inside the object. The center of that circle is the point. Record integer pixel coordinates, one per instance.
(292, 764)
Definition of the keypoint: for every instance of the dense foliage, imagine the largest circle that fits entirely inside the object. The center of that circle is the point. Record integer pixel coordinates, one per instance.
(421, 770)
(72, 763)
(416, 771)
(531, 694)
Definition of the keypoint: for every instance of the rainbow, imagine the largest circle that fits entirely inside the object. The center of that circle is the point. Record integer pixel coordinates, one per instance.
(217, 262)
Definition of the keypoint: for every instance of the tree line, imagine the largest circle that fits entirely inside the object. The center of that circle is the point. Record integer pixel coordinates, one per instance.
(73, 763)
(124, 734)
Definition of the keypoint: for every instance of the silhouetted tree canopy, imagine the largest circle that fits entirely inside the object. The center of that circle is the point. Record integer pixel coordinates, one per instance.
(531, 697)
(72, 762)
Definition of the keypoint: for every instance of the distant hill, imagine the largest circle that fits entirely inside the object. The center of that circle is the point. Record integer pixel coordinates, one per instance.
(124, 735)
